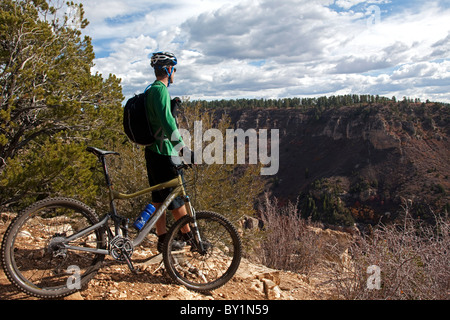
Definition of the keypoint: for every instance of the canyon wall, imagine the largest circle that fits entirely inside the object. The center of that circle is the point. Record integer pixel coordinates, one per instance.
(371, 156)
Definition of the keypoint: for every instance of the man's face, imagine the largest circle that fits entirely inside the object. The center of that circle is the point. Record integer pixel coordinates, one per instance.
(173, 73)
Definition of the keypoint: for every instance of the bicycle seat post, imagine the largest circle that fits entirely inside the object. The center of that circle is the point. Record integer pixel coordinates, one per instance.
(105, 171)
(101, 154)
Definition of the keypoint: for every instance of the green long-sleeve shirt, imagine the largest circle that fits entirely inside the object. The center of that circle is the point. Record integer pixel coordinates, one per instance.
(162, 121)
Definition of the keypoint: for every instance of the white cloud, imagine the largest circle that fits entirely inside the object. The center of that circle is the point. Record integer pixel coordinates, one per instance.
(267, 48)
(421, 69)
(294, 30)
(129, 61)
(348, 4)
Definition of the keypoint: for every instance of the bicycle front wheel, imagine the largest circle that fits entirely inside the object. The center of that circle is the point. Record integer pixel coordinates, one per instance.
(207, 263)
(34, 258)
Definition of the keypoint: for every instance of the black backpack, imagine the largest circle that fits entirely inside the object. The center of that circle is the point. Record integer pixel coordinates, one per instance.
(135, 121)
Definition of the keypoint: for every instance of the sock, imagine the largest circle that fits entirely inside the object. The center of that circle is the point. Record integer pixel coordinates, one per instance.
(161, 239)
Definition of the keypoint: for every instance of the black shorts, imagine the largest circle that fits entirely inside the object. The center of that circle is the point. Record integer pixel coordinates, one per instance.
(161, 169)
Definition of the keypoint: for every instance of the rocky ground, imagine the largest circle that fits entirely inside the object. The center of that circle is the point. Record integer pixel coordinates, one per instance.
(251, 282)
(114, 281)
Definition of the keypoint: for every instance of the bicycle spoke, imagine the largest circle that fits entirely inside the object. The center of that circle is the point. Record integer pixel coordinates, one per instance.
(214, 265)
(36, 259)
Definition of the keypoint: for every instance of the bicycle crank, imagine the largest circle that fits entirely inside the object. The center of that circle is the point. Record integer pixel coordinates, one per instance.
(121, 248)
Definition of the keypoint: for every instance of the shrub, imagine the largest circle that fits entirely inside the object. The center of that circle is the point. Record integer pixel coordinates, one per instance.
(287, 243)
(412, 257)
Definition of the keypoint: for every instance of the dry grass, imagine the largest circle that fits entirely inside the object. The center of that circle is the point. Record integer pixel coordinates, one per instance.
(411, 257)
(286, 241)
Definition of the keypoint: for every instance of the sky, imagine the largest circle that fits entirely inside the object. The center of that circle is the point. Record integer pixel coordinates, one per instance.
(231, 49)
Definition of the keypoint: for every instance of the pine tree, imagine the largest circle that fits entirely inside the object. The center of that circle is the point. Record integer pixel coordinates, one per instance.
(51, 105)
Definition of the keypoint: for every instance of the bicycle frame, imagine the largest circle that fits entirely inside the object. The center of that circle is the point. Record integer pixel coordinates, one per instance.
(179, 190)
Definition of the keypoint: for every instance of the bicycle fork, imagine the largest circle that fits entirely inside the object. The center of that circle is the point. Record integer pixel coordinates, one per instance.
(194, 227)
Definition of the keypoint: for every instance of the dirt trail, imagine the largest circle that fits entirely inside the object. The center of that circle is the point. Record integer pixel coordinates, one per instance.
(115, 281)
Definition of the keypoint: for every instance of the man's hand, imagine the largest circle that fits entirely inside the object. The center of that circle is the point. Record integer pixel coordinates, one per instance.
(188, 156)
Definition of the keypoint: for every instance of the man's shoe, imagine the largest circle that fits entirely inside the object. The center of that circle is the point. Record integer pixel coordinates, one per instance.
(177, 245)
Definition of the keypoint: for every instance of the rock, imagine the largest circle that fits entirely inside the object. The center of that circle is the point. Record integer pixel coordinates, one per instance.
(123, 295)
(250, 271)
(24, 234)
(257, 286)
(304, 278)
(273, 276)
(250, 223)
(271, 289)
(76, 296)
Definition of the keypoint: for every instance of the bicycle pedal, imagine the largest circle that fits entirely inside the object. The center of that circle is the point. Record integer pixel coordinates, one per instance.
(136, 271)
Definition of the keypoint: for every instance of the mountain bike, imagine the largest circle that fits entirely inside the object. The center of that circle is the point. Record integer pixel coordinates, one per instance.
(56, 246)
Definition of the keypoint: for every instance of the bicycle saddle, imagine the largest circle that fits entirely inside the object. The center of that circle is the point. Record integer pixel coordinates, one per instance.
(101, 153)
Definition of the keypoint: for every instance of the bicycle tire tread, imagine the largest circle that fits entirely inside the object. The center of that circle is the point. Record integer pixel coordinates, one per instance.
(231, 270)
(6, 243)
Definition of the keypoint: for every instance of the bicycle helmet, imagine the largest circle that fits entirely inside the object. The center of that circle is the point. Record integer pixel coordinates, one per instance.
(163, 59)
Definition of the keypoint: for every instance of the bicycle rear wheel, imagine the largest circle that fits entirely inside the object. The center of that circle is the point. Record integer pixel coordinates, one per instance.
(33, 257)
(207, 265)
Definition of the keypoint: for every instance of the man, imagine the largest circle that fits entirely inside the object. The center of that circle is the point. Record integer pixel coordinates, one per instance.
(160, 167)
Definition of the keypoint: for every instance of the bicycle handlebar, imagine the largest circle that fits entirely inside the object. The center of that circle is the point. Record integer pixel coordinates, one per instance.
(184, 165)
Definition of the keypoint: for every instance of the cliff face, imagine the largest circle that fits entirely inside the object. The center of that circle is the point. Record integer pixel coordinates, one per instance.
(371, 156)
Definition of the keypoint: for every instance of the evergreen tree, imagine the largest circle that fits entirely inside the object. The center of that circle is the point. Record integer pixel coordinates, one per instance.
(51, 106)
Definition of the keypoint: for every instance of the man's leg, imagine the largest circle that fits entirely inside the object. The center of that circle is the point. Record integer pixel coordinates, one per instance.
(180, 213)
(161, 228)
(161, 223)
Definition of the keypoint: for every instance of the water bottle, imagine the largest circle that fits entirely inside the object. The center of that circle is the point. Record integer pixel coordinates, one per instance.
(143, 218)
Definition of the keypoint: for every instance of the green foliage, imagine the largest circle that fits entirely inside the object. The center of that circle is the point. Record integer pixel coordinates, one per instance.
(55, 168)
(51, 105)
(317, 106)
(320, 103)
(323, 204)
